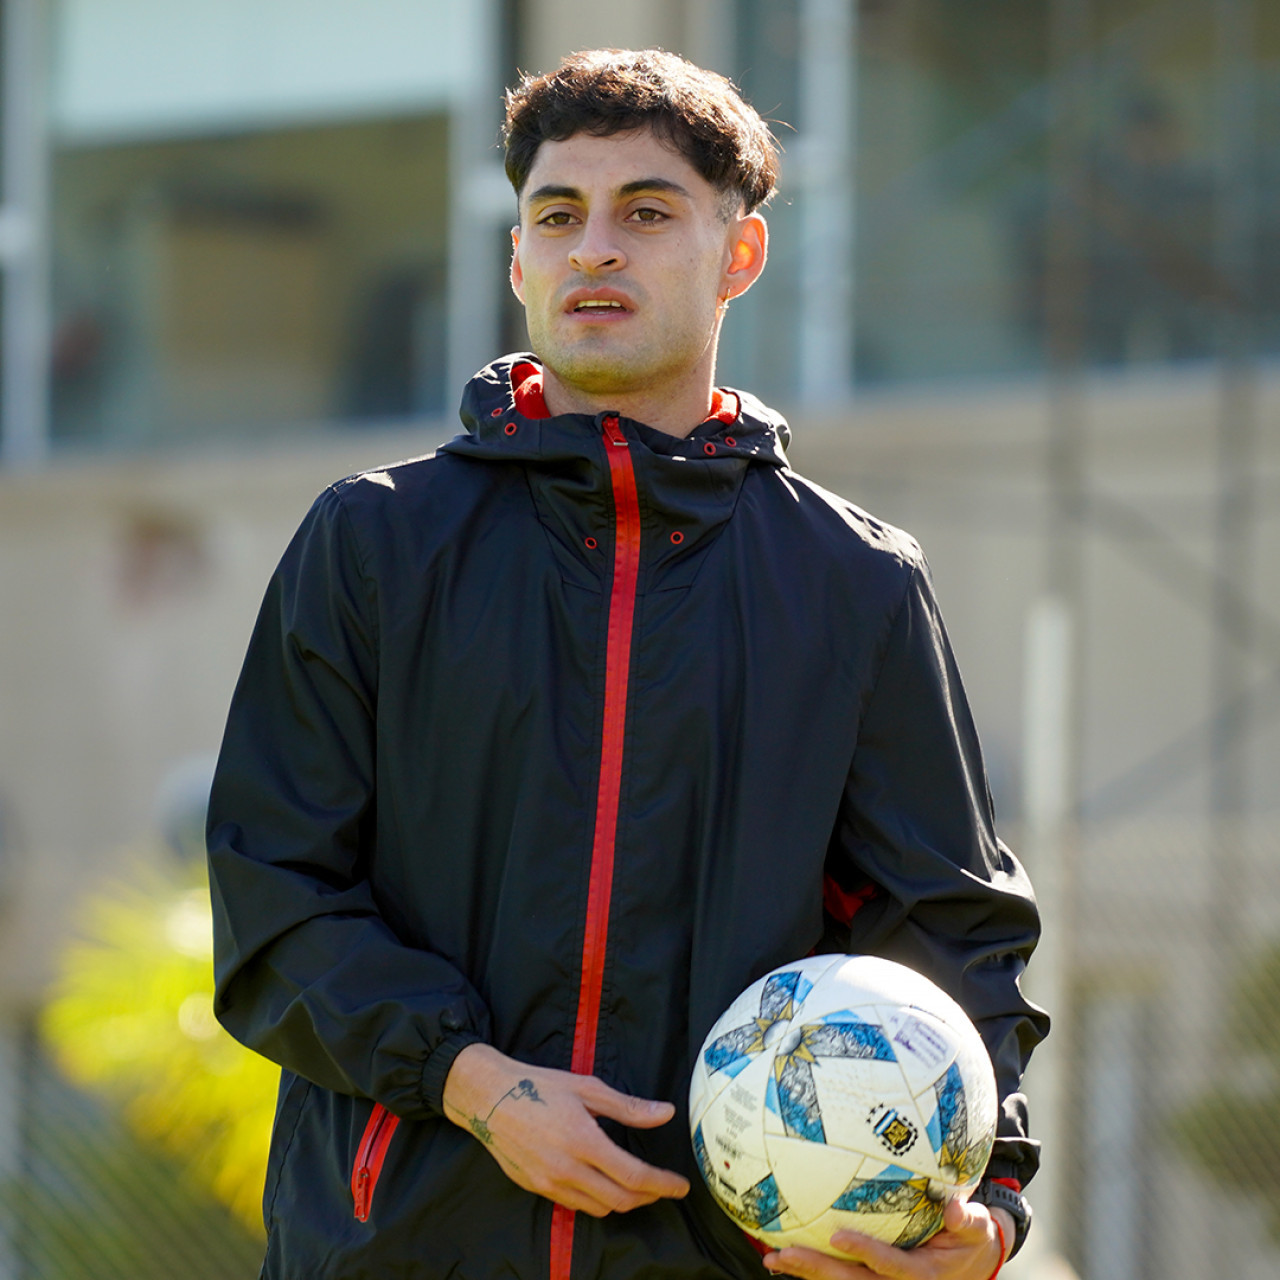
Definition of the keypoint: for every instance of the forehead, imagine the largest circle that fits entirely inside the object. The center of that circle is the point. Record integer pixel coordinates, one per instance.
(600, 166)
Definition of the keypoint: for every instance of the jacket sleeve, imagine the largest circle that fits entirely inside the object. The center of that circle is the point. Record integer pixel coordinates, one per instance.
(916, 833)
(307, 971)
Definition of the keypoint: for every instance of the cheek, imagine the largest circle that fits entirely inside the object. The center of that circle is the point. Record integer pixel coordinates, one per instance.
(697, 277)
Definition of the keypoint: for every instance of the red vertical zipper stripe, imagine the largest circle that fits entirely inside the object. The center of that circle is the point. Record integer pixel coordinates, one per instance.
(622, 601)
(622, 604)
(369, 1157)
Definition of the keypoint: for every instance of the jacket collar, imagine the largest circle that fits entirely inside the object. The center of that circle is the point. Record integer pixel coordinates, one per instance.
(506, 418)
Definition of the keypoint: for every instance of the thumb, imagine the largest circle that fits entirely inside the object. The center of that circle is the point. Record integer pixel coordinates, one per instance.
(636, 1113)
(960, 1215)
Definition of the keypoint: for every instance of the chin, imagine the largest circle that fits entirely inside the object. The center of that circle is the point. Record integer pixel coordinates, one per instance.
(597, 374)
(618, 371)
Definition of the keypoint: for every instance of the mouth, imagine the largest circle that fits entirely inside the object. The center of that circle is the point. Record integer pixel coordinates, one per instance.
(598, 304)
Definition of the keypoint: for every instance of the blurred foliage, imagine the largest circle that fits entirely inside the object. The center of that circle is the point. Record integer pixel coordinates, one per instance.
(131, 1019)
(1232, 1132)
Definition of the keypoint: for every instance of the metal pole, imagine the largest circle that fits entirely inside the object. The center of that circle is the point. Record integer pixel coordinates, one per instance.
(1048, 738)
(1235, 230)
(1237, 441)
(24, 250)
(1066, 285)
(1053, 676)
(827, 108)
(480, 206)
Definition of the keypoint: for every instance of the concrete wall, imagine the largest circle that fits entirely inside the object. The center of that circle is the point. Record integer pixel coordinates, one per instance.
(129, 589)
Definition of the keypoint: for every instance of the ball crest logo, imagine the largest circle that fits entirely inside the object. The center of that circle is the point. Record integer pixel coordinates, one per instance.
(893, 1129)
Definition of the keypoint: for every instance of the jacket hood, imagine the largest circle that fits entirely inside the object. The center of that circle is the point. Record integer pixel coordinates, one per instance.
(498, 425)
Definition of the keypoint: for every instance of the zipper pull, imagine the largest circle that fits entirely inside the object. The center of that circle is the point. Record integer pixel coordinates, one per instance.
(614, 432)
(361, 1194)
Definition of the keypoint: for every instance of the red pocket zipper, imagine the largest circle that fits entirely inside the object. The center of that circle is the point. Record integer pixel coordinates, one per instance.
(372, 1152)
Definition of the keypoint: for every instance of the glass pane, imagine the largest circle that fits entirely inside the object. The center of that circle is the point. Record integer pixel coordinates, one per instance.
(1166, 158)
(950, 148)
(213, 287)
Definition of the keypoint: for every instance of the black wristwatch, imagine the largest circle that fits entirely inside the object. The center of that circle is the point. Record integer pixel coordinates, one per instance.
(995, 1195)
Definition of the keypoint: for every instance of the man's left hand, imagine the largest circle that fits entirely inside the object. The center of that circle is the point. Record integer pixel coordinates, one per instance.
(967, 1248)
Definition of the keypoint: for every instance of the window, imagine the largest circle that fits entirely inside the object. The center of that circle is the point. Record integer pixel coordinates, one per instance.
(275, 279)
(1156, 193)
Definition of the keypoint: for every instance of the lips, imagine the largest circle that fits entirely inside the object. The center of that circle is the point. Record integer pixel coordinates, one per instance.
(598, 302)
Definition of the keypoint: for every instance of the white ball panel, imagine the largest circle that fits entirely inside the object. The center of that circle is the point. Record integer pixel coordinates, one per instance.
(809, 1175)
(926, 1046)
(734, 1159)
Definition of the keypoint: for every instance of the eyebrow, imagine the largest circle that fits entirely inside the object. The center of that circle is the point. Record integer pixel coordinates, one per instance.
(552, 191)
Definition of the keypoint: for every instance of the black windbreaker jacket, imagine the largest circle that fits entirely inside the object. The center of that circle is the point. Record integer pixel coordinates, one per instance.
(558, 739)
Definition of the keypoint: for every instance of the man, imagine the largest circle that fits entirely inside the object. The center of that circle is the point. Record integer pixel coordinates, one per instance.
(547, 745)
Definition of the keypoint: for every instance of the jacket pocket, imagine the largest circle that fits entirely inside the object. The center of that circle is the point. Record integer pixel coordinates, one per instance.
(370, 1155)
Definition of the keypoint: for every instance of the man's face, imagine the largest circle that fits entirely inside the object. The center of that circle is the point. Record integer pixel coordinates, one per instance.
(623, 257)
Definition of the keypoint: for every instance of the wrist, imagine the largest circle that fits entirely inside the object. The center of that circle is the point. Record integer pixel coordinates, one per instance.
(1007, 1229)
(478, 1075)
(1003, 1224)
(999, 1195)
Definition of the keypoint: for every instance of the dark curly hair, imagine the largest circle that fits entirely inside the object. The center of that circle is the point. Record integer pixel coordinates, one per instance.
(608, 91)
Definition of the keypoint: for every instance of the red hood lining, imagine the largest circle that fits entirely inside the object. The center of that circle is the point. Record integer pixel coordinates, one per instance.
(526, 382)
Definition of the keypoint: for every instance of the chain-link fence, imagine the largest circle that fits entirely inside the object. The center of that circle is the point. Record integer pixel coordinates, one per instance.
(1170, 1040)
(85, 1196)
(1161, 1083)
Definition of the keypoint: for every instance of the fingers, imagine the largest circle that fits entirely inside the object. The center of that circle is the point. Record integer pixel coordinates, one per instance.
(874, 1257)
(809, 1264)
(544, 1133)
(603, 1194)
(638, 1181)
(967, 1249)
(960, 1215)
(591, 1174)
(632, 1175)
(635, 1113)
(583, 1188)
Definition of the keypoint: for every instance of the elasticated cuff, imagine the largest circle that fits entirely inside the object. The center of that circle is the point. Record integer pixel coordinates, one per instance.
(435, 1068)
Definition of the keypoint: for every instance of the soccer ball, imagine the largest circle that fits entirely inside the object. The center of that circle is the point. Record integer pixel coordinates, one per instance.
(842, 1091)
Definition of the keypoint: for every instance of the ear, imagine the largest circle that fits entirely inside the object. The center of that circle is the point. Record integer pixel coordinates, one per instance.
(748, 247)
(517, 272)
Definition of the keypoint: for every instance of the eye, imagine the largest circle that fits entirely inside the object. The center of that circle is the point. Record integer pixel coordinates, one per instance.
(647, 214)
(556, 218)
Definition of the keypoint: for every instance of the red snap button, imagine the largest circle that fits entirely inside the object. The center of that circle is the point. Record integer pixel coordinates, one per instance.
(496, 413)
(590, 543)
(730, 441)
(677, 537)
(510, 428)
(708, 448)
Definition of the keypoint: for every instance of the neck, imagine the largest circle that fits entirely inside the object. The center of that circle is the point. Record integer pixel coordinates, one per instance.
(674, 408)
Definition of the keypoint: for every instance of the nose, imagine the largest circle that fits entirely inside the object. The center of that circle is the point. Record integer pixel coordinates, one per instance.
(597, 249)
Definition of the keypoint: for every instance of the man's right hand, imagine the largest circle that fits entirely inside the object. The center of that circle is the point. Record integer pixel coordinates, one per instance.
(539, 1125)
